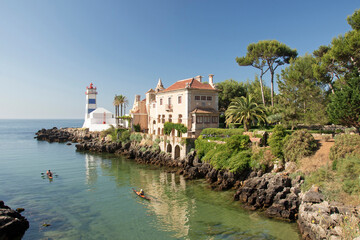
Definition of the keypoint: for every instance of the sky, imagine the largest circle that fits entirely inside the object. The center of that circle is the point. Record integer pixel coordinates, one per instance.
(51, 50)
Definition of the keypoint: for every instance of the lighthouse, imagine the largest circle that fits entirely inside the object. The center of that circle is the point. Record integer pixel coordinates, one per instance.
(90, 100)
(96, 119)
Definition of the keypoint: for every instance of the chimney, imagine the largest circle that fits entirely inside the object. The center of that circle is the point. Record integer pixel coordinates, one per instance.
(137, 98)
(211, 80)
(198, 78)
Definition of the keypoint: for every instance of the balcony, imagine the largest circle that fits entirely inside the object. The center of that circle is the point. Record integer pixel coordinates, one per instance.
(169, 107)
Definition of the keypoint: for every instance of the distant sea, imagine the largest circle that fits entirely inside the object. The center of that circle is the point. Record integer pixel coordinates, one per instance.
(91, 195)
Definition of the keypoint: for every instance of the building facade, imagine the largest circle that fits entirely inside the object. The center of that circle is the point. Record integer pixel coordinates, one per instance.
(191, 102)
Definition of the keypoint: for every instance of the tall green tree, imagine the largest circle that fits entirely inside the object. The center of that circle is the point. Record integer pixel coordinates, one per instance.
(301, 95)
(229, 89)
(244, 110)
(345, 50)
(326, 69)
(344, 106)
(267, 55)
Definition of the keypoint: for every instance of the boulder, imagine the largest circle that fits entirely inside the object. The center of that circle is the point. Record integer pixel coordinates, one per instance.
(12, 224)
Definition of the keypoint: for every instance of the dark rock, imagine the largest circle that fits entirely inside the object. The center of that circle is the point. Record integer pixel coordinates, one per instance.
(12, 224)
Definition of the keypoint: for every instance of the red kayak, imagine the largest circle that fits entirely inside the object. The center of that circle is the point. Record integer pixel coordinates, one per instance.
(140, 195)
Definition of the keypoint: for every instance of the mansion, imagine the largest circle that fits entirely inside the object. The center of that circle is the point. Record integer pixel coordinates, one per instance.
(191, 102)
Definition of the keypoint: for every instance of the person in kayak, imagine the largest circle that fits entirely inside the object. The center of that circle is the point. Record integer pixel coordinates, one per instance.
(141, 192)
(49, 173)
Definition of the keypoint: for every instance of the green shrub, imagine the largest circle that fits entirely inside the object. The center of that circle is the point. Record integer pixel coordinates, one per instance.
(238, 142)
(220, 133)
(125, 136)
(239, 161)
(298, 145)
(109, 131)
(276, 141)
(168, 127)
(203, 146)
(348, 170)
(135, 137)
(320, 178)
(155, 147)
(157, 140)
(137, 128)
(258, 159)
(142, 149)
(345, 145)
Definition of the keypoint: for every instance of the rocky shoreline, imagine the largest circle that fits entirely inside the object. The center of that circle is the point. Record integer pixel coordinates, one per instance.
(12, 224)
(276, 194)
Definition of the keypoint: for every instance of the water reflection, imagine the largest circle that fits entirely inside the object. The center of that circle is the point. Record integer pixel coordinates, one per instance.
(186, 210)
(170, 207)
(91, 163)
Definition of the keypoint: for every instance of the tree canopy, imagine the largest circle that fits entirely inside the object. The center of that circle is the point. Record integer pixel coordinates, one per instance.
(301, 95)
(344, 106)
(267, 55)
(229, 89)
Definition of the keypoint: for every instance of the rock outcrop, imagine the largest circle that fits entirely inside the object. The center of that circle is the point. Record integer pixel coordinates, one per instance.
(66, 135)
(319, 219)
(277, 193)
(12, 224)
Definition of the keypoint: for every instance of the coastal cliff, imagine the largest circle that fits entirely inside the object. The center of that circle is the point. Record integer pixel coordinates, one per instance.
(278, 195)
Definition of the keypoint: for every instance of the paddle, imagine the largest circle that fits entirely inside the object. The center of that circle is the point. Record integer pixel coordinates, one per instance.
(54, 174)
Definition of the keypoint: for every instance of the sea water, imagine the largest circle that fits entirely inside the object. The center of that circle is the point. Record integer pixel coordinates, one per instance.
(91, 197)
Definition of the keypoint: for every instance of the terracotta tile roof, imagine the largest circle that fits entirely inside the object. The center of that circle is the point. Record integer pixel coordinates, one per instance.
(144, 100)
(191, 82)
(204, 110)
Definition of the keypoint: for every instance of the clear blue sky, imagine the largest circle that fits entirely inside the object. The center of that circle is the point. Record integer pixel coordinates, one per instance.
(51, 50)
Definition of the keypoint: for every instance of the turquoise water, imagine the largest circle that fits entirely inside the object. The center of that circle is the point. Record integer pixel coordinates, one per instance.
(92, 198)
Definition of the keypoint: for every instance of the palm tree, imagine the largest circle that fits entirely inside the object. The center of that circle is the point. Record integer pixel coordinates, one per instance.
(116, 104)
(244, 110)
(121, 102)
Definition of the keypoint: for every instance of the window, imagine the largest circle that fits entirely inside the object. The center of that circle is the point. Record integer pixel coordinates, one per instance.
(209, 98)
(92, 101)
(160, 101)
(153, 105)
(90, 110)
(179, 99)
(170, 118)
(206, 119)
(215, 119)
(197, 97)
(169, 100)
(203, 98)
(180, 118)
(199, 119)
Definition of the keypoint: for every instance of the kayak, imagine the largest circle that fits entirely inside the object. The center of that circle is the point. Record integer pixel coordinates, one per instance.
(142, 196)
